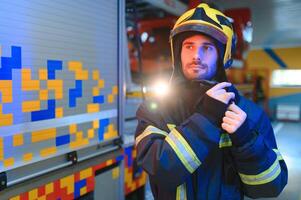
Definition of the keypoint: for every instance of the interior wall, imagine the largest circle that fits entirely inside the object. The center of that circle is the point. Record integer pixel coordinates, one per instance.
(272, 59)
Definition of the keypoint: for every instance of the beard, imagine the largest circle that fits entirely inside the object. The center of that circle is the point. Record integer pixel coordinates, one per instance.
(195, 64)
(198, 70)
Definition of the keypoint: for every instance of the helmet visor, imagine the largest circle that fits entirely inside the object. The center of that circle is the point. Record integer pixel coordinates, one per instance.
(213, 32)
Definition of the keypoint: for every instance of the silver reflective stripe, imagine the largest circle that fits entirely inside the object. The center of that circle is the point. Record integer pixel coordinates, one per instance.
(150, 130)
(183, 150)
(279, 156)
(181, 192)
(265, 177)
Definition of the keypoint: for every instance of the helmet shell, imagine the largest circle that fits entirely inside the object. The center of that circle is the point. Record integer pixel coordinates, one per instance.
(209, 21)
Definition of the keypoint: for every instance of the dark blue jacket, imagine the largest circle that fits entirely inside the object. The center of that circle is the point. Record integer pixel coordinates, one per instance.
(188, 156)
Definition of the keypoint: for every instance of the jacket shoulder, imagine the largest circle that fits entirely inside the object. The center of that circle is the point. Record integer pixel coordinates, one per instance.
(150, 112)
(148, 107)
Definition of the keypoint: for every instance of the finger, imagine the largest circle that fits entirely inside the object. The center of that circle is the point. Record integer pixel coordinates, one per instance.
(232, 115)
(220, 86)
(228, 128)
(221, 91)
(228, 96)
(233, 107)
(231, 94)
(229, 121)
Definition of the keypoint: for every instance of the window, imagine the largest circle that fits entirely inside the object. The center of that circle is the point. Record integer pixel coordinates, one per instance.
(286, 78)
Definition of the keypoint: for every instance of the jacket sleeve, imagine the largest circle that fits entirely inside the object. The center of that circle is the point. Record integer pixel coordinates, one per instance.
(261, 168)
(170, 156)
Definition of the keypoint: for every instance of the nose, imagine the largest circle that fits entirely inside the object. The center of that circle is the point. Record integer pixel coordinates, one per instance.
(198, 54)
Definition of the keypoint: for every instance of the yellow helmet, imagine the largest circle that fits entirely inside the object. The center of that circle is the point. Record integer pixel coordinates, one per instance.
(211, 22)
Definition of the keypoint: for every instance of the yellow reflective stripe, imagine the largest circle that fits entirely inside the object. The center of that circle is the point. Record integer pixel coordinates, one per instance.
(279, 156)
(225, 140)
(265, 177)
(186, 146)
(179, 154)
(181, 192)
(183, 150)
(185, 192)
(171, 126)
(150, 130)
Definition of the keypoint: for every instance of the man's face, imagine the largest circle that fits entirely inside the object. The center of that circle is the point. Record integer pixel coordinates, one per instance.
(199, 58)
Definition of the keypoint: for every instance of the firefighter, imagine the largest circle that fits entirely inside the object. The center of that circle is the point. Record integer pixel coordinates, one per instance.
(204, 140)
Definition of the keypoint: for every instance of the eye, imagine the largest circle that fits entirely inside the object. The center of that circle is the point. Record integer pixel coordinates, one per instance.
(188, 46)
(208, 48)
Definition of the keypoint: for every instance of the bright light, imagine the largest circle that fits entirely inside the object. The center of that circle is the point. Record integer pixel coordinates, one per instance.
(129, 28)
(153, 106)
(144, 36)
(151, 39)
(144, 90)
(161, 89)
(247, 32)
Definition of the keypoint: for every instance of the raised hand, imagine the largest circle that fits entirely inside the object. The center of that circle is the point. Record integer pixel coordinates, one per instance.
(219, 92)
(233, 119)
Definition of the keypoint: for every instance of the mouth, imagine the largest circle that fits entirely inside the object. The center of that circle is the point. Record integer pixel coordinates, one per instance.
(196, 67)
